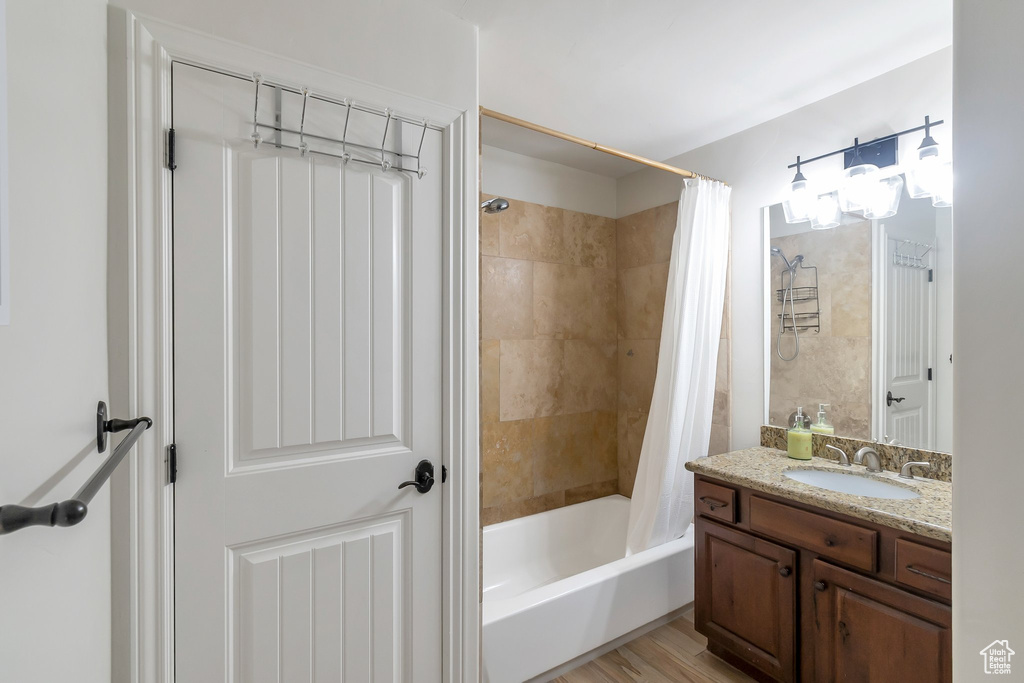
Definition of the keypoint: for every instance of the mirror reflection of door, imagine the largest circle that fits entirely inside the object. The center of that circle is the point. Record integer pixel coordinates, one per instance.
(909, 342)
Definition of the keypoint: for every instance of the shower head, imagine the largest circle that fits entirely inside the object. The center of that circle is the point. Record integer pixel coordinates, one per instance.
(496, 205)
(790, 265)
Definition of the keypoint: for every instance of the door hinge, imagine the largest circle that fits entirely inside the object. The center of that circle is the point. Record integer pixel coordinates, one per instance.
(172, 463)
(929, 374)
(444, 474)
(931, 275)
(170, 150)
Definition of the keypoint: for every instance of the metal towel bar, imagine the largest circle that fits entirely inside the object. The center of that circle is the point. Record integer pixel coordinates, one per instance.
(73, 510)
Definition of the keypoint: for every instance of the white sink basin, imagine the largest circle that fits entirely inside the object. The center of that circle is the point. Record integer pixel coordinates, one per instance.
(853, 484)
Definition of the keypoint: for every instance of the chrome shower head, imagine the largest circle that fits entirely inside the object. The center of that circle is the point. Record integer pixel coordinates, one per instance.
(495, 205)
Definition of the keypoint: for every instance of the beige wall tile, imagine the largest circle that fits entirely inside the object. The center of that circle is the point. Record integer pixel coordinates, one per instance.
(641, 301)
(507, 459)
(489, 376)
(506, 298)
(490, 230)
(590, 376)
(646, 237)
(582, 494)
(719, 439)
(563, 452)
(532, 232)
(631, 438)
(562, 301)
(522, 508)
(851, 305)
(530, 377)
(605, 450)
(638, 367)
(589, 240)
(603, 321)
(723, 373)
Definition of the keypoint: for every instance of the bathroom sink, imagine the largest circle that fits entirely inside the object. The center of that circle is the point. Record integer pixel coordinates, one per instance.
(853, 484)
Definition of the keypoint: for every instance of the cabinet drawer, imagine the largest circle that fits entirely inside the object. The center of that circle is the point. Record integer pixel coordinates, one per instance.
(924, 568)
(712, 500)
(841, 541)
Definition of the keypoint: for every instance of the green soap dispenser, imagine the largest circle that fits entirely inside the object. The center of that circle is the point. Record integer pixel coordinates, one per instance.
(798, 439)
(822, 426)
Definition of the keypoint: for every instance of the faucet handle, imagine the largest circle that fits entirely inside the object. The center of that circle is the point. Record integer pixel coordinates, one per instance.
(905, 470)
(843, 459)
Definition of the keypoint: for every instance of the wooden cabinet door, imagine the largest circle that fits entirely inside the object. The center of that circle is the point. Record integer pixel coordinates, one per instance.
(869, 631)
(746, 597)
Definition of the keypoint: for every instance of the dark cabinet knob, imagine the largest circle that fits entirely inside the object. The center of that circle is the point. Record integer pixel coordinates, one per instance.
(785, 571)
(820, 585)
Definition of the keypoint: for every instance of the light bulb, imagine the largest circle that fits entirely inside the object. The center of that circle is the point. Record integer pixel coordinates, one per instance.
(885, 198)
(826, 214)
(858, 188)
(800, 198)
(931, 173)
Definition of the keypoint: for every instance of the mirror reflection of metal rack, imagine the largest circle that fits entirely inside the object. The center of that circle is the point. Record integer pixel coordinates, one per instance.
(799, 320)
(911, 260)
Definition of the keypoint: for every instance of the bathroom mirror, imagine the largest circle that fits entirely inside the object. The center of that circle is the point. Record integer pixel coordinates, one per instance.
(859, 317)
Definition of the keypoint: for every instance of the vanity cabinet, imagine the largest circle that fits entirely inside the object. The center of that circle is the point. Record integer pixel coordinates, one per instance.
(868, 631)
(791, 592)
(749, 588)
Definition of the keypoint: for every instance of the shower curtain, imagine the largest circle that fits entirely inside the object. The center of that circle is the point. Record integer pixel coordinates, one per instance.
(679, 422)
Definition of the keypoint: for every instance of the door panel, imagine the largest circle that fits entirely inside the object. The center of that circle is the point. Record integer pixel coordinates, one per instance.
(746, 597)
(909, 350)
(307, 387)
(868, 631)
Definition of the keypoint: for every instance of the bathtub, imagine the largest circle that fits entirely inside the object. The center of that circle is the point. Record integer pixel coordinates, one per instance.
(557, 585)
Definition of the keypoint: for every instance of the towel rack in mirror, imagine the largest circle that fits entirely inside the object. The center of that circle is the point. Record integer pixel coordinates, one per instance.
(73, 510)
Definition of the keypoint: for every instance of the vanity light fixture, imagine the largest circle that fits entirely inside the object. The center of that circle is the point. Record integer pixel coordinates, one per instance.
(930, 172)
(800, 198)
(827, 213)
(872, 190)
(857, 189)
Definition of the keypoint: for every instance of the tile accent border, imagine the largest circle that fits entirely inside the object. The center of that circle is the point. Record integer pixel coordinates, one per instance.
(892, 457)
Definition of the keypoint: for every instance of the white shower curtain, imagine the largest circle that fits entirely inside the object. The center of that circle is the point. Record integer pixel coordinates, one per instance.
(679, 422)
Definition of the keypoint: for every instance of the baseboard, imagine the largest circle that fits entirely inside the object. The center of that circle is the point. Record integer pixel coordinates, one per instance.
(610, 645)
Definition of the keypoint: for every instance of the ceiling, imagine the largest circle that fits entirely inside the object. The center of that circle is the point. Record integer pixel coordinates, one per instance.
(662, 77)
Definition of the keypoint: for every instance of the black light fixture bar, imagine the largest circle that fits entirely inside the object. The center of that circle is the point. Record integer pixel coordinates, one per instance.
(926, 127)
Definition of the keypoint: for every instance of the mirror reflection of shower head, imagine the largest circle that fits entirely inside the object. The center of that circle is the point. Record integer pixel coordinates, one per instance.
(496, 205)
(789, 265)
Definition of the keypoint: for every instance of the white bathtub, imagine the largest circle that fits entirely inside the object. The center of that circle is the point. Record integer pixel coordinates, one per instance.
(558, 585)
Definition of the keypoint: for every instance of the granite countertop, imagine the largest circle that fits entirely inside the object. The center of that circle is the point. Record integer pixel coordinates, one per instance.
(762, 469)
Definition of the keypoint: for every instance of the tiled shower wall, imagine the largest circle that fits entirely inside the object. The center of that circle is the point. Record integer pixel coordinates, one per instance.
(644, 247)
(833, 365)
(569, 337)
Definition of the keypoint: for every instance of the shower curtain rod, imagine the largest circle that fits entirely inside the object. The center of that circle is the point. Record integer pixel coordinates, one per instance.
(592, 145)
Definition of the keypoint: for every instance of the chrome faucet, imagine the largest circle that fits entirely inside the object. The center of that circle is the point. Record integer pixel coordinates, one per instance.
(868, 457)
(905, 470)
(843, 460)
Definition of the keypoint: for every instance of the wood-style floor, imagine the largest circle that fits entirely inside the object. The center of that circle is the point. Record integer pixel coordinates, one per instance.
(672, 653)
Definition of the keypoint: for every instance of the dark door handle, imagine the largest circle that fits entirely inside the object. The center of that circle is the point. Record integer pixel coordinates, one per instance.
(712, 503)
(820, 586)
(890, 399)
(424, 480)
(785, 571)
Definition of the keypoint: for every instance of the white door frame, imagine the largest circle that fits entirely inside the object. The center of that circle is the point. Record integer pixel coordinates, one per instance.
(141, 51)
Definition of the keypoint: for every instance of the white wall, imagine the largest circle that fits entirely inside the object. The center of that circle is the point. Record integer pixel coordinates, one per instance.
(988, 507)
(754, 163)
(528, 179)
(55, 583)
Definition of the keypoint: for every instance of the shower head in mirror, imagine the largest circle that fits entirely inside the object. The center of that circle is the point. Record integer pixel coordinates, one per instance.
(496, 205)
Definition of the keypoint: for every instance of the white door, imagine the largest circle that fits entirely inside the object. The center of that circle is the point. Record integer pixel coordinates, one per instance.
(907, 395)
(307, 360)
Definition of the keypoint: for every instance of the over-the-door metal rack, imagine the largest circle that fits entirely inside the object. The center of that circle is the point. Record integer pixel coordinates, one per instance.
(382, 157)
(906, 259)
